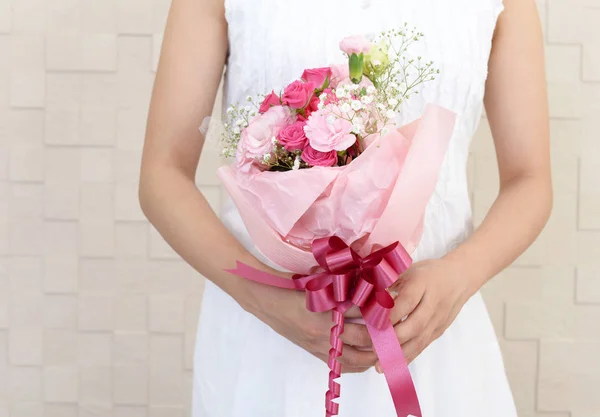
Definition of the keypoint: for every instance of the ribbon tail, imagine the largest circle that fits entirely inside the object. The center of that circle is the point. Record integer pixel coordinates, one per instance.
(395, 370)
(262, 277)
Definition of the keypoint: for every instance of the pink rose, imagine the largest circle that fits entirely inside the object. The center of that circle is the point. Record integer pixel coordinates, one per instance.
(269, 101)
(317, 76)
(339, 73)
(257, 139)
(319, 159)
(356, 44)
(313, 106)
(326, 132)
(292, 137)
(297, 94)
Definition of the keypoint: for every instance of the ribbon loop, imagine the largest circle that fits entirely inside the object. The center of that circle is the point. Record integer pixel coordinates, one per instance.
(349, 280)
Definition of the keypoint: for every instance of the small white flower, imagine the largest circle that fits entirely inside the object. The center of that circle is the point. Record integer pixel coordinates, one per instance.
(390, 114)
(296, 163)
(345, 108)
(356, 105)
(381, 106)
(393, 85)
(385, 131)
(357, 128)
(393, 102)
(274, 140)
(376, 62)
(354, 87)
(266, 157)
(229, 110)
(367, 99)
(371, 90)
(248, 98)
(236, 130)
(323, 97)
(320, 106)
(239, 122)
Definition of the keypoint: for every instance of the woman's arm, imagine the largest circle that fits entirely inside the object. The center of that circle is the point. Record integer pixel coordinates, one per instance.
(189, 74)
(433, 292)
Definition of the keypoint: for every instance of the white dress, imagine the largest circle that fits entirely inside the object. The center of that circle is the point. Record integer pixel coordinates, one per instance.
(242, 367)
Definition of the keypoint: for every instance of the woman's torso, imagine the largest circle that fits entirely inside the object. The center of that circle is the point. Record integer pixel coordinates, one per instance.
(272, 41)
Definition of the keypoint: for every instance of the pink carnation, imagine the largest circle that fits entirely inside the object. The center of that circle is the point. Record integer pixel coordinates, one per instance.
(326, 133)
(292, 136)
(320, 159)
(356, 44)
(257, 139)
(270, 101)
(339, 73)
(297, 94)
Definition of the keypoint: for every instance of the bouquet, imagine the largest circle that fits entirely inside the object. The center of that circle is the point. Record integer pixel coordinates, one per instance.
(331, 189)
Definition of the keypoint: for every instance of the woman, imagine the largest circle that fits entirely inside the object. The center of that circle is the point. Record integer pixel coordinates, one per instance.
(259, 352)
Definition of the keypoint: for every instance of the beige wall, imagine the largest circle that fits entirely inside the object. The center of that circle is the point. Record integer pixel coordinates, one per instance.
(97, 314)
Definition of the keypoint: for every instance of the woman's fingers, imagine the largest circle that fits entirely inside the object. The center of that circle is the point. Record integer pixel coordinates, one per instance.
(355, 358)
(415, 324)
(409, 296)
(356, 335)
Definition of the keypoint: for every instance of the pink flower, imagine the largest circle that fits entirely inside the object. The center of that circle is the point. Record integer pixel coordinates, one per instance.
(319, 159)
(256, 140)
(297, 94)
(326, 132)
(317, 76)
(292, 137)
(339, 73)
(269, 101)
(313, 106)
(356, 44)
(331, 97)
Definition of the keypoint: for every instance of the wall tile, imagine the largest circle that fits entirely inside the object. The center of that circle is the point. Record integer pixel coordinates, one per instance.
(97, 165)
(98, 276)
(97, 202)
(95, 410)
(166, 387)
(27, 88)
(99, 16)
(131, 240)
(131, 385)
(60, 238)
(166, 313)
(95, 349)
(26, 163)
(61, 200)
(60, 311)
(131, 312)
(25, 384)
(26, 409)
(130, 411)
(127, 206)
(588, 284)
(60, 347)
(99, 52)
(166, 351)
(29, 17)
(96, 386)
(95, 312)
(131, 349)
(61, 274)
(62, 164)
(61, 384)
(25, 201)
(25, 347)
(589, 194)
(97, 238)
(60, 410)
(135, 17)
(569, 373)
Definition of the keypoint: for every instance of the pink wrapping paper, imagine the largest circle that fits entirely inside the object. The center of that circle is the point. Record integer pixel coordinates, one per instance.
(378, 199)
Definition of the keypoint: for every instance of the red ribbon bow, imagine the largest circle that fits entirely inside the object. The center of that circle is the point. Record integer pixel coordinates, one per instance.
(349, 279)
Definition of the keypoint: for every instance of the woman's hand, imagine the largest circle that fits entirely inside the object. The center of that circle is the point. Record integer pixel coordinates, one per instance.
(285, 312)
(429, 294)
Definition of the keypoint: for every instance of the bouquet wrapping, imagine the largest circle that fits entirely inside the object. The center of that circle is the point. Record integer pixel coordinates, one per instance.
(330, 189)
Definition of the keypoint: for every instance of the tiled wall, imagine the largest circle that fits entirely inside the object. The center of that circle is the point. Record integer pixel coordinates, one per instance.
(97, 314)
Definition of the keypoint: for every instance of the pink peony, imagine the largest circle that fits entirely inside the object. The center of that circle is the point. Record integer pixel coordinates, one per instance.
(326, 133)
(339, 73)
(319, 159)
(292, 137)
(297, 94)
(257, 139)
(269, 101)
(356, 44)
(317, 76)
